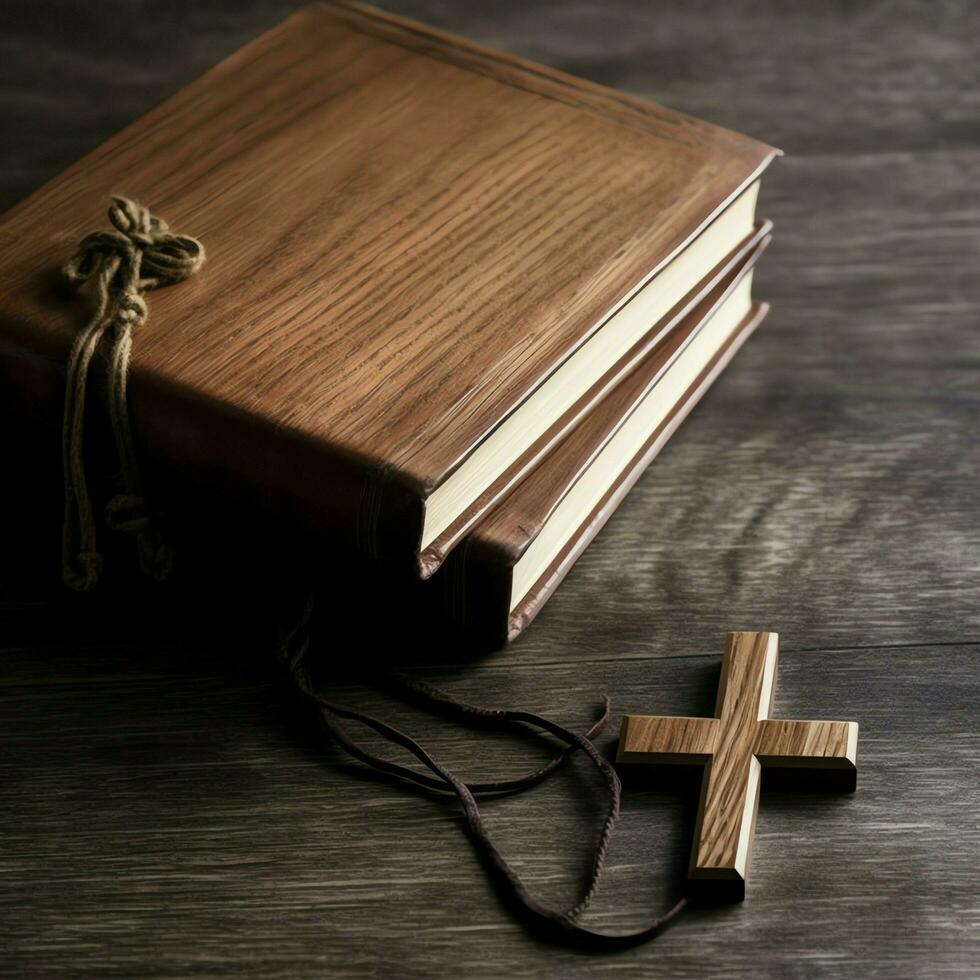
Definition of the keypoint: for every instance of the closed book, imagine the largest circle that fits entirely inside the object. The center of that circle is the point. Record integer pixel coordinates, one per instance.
(498, 579)
(421, 255)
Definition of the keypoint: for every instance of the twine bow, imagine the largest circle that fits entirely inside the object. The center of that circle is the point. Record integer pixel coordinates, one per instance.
(138, 254)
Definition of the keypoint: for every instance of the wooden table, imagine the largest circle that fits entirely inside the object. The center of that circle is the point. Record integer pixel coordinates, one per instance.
(162, 815)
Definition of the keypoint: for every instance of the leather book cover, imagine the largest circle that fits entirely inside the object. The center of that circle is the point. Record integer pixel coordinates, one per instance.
(406, 234)
(477, 578)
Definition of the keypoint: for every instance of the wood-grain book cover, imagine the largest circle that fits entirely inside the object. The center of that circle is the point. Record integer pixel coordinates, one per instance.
(497, 580)
(417, 249)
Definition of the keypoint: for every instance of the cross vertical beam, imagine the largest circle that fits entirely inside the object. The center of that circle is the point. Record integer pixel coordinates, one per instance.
(730, 789)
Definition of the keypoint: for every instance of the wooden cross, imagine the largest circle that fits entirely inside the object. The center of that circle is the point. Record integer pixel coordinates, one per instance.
(733, 746)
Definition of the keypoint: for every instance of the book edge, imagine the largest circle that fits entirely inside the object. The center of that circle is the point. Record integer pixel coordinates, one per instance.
(525, 611)
(747, 262)
(432, 557)
(403, 30)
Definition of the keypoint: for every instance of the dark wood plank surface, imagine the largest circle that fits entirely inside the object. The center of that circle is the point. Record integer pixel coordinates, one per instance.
(160, 811)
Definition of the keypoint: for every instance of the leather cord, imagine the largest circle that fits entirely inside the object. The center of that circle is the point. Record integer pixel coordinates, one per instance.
(561, 924)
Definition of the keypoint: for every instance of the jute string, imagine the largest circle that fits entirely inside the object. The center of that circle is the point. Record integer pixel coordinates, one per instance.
(138, 254)
(142, 254)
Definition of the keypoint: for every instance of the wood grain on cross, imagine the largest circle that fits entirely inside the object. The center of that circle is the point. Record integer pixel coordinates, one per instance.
(733, 747)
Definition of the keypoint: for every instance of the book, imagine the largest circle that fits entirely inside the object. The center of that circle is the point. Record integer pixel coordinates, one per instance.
(655, 335)
(498, 579)
(422, 254)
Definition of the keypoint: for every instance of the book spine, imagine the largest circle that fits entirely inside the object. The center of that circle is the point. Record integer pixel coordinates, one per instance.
(475, 587)
(196, 455)
(340, 504)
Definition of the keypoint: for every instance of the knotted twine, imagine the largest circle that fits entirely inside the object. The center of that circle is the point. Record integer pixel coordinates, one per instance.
(138, 254)
(142, 254)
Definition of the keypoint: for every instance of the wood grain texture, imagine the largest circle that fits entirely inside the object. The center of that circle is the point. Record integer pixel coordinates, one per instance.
(475, 589)
(161, 817)
(511, 529)
(733, 747)
(818, 745)
(164, 816)
(530, 509)
(386, 226)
